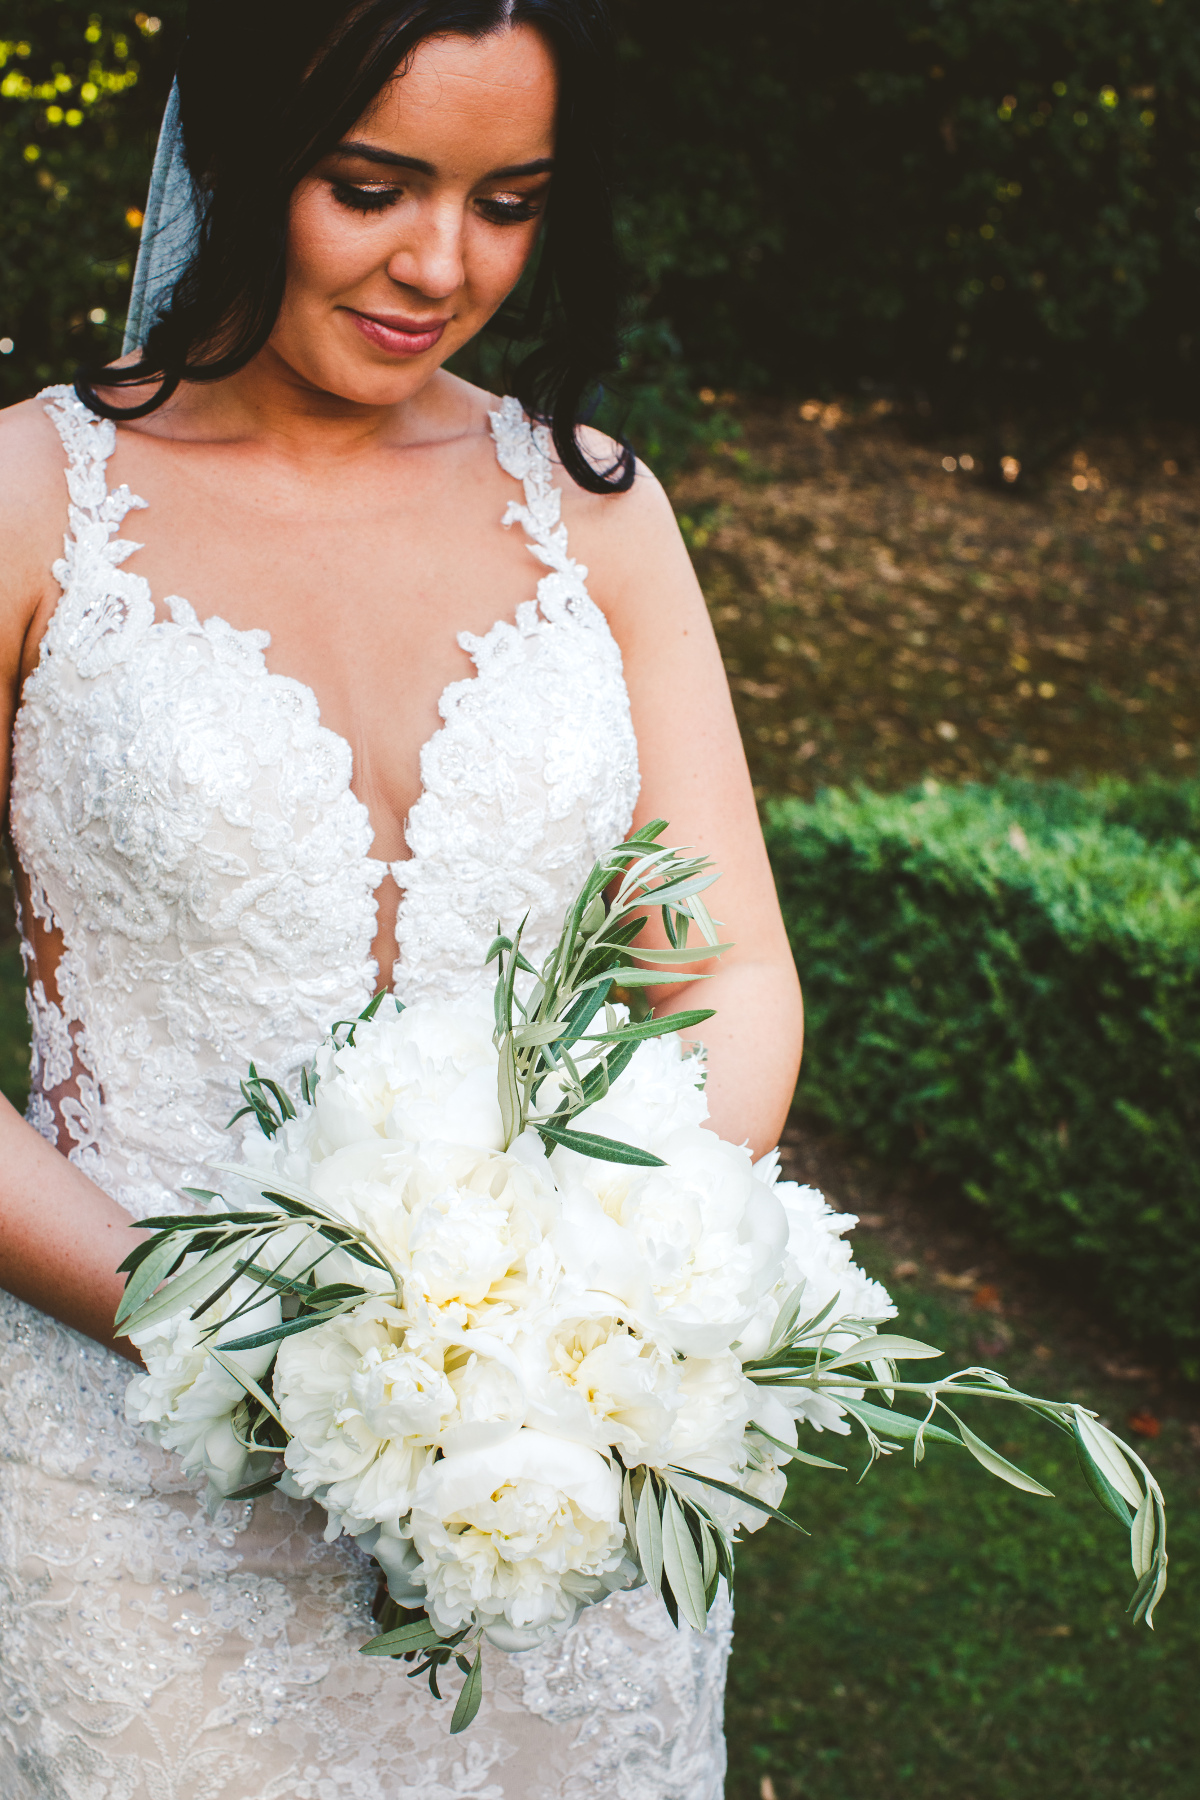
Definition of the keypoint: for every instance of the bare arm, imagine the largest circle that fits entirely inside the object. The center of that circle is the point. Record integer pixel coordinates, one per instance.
(694, 775)
(61, 1237)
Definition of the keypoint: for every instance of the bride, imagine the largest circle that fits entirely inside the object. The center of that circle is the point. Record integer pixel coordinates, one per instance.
(318, 727)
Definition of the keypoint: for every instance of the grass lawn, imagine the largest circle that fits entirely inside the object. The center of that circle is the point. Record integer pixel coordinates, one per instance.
(941, 1635)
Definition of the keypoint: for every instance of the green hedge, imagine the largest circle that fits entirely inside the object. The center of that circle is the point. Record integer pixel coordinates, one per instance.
(1004, 988)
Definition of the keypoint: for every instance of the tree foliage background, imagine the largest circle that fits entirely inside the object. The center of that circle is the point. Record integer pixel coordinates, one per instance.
(984, 204)
(988, 203)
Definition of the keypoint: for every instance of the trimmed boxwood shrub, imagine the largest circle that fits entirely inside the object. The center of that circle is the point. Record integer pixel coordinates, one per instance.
(1003, 986)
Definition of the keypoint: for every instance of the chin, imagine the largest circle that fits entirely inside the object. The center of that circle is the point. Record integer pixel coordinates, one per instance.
(361, 380)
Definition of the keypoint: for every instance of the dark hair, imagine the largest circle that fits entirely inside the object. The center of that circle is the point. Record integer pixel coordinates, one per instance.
(269, 87)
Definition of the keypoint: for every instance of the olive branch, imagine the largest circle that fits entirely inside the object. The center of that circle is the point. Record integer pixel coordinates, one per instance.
(554, 1038)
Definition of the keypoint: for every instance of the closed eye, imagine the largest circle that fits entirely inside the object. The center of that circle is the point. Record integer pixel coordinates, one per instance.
(511, 209)
(376, 197)
(364, 199)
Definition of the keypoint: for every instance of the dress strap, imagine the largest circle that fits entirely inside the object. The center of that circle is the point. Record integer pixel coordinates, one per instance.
(523, 451)
(101, 601)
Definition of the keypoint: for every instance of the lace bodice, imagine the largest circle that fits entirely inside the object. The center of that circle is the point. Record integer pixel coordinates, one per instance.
(202, 893)
(188, 825)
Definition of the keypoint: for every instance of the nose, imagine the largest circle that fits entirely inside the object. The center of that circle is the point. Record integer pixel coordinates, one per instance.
(430, 260)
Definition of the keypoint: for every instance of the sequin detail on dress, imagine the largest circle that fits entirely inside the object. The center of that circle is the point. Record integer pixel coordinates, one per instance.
(188, 826)
(534, 772)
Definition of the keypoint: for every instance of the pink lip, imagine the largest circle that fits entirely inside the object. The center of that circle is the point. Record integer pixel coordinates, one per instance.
(398, 336)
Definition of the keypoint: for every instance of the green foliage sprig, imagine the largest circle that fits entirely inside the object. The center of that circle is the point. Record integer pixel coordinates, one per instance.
(553, 1037)
(797, 1358)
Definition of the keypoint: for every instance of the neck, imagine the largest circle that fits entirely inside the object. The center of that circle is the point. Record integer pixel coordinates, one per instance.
(270, 403)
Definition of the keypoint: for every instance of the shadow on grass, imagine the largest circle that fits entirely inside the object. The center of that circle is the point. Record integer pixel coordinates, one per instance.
(941, 1634)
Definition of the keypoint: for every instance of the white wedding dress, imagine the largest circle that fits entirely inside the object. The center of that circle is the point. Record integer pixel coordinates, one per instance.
(201, 886)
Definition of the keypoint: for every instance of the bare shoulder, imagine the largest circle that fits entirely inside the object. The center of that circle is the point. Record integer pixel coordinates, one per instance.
(33, 505)
(30, 447)
(630, 541)
(642, 506)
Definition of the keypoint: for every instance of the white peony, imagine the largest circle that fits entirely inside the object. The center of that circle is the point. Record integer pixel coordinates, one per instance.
(660, 1090)
(541, 1314)
(767, 1483)
(369, 1396)
(519, 1538)
(363, 1414)
(594, 1380)
(465, 1229)
(422, 1073)
(716, 1404)
(700, 1241)
(492, 1399)
(185, 1400)
(719, 1433)
(818, 1255)
(392, 1547)
(819, 1252)
(461, 1228)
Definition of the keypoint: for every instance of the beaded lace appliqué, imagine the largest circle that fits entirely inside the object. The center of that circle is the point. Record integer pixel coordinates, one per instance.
(534, 771)
(189, 827)
(187, 823)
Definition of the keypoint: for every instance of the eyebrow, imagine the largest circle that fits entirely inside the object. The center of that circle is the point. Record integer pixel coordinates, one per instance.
(391, 159)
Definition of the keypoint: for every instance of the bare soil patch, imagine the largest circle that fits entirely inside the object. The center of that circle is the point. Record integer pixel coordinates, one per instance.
(884, 617)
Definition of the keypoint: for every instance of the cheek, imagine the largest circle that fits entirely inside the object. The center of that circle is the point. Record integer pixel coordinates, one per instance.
(495, 260)
(327, 250)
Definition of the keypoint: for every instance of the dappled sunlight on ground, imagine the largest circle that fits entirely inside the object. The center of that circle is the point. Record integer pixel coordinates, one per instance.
(884, 617)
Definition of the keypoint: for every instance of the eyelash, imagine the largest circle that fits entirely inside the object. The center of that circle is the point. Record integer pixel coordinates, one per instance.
(376, 200)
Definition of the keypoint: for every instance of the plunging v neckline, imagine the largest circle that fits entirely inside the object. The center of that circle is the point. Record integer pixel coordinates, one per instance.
(254, 636)
(259, 639)
(546, 540)
(192, 847)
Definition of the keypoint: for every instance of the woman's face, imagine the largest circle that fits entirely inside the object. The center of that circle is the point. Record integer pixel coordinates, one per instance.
(405, 240)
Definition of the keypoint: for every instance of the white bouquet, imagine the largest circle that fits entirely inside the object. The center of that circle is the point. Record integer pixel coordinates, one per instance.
(494, 1298)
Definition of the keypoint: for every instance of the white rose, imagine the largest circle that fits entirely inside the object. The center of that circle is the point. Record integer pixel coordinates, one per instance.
(519, 1538)
(363, 1412)
(185, 1400)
